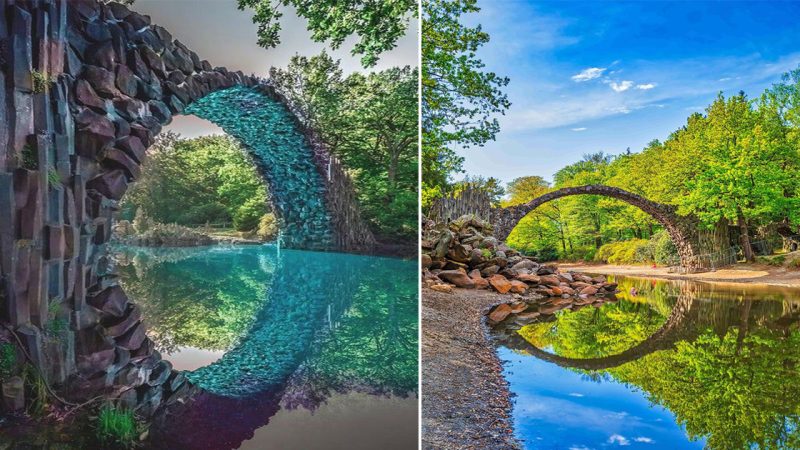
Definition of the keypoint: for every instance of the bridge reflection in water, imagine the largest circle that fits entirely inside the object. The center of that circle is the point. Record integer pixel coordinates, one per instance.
(280, 333)
(679, 365)
(295, 329)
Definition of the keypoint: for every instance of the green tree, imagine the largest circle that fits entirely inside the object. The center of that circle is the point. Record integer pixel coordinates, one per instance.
(378, 24)
(369, 122)
(215, 180)
(459, 99)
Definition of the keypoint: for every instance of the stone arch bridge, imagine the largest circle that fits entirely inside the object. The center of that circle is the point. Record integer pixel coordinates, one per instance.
(85, 88)
(682, 229)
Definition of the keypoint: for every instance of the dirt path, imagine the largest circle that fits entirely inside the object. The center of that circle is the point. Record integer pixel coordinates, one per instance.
(753, 274)
(465, 399)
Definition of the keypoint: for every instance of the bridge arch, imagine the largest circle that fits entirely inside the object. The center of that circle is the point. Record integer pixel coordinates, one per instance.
(84, 89)
(681, 229)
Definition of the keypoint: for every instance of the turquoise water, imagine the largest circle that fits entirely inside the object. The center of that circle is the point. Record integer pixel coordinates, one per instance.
(678, 365)
(268, 334)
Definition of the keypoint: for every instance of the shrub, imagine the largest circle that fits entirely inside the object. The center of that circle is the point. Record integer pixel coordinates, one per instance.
(41, 82)
(248, 216)
(663, 249)
(267, 227)
(52, 177)
(547, 254)
(8, 359)
(633, 251)
(117, 426)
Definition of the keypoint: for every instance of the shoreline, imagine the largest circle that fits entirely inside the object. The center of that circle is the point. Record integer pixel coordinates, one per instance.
(466, 401)
(754, 275)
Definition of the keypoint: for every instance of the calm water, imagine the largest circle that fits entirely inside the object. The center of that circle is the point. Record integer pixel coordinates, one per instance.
(292, 349)
(679, 365)
(287, 349)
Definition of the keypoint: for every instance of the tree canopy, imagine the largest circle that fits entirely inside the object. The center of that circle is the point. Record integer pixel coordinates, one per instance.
(378, 24)
(209, 179)
(370, 122)
(460, 100)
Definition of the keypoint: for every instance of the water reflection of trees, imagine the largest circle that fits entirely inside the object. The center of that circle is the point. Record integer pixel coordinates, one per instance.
(347, 322)
(731, 376)
(195, 297)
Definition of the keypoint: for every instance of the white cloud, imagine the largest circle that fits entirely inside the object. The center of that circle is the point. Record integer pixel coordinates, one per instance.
(621, 87)
(579, 447)
(644, 439)
(619, 440)
(645, 86)
(588, 74)
(577, 129)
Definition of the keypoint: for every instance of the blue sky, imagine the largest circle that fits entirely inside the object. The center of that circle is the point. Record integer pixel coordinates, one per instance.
(605, 76)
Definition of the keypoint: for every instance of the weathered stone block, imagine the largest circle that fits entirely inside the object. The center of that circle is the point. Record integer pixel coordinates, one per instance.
(54, 242)
(85, 95)
(102, 80)
(95, 134)
(118, 159)
(127, 82)
(112, 302)
(14, 394)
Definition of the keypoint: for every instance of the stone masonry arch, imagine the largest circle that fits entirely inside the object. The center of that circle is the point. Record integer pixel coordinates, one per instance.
(681, 229)
(86, 87)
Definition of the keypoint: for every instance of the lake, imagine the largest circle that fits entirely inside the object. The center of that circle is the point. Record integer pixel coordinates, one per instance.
(664, 365)
(283, 349)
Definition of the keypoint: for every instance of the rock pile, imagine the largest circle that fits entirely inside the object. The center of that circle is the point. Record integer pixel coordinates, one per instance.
(463, 254)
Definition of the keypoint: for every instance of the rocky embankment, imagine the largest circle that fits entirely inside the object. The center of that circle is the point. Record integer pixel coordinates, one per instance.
(468, 275)
(463, 254)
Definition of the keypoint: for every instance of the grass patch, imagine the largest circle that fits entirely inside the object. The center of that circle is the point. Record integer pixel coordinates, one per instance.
(37, 390)
(772, 260)
(56, 325)
(27, 158)
(8, 359)
(117, 426)
(53, 178)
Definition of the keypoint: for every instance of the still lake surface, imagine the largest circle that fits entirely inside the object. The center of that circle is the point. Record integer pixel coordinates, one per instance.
(307, 349)
(287, 349)
(668, 365)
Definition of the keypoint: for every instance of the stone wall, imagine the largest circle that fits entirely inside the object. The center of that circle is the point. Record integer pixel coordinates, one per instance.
(85, 89)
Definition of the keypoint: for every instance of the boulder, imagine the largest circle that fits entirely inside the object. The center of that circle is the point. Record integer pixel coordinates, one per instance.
(524, 264)
(518, 287)
(480, 282)
(460, 253)
(529, 278)
(589, 290)
(550, 280)
(489, 271)
(457, 277)
(500, 283)
(425, 261)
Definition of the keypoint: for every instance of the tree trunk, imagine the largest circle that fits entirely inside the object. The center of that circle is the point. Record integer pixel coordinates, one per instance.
(744, 237)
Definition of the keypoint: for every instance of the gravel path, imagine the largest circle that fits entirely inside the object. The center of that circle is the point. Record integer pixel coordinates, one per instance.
(465, 399)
